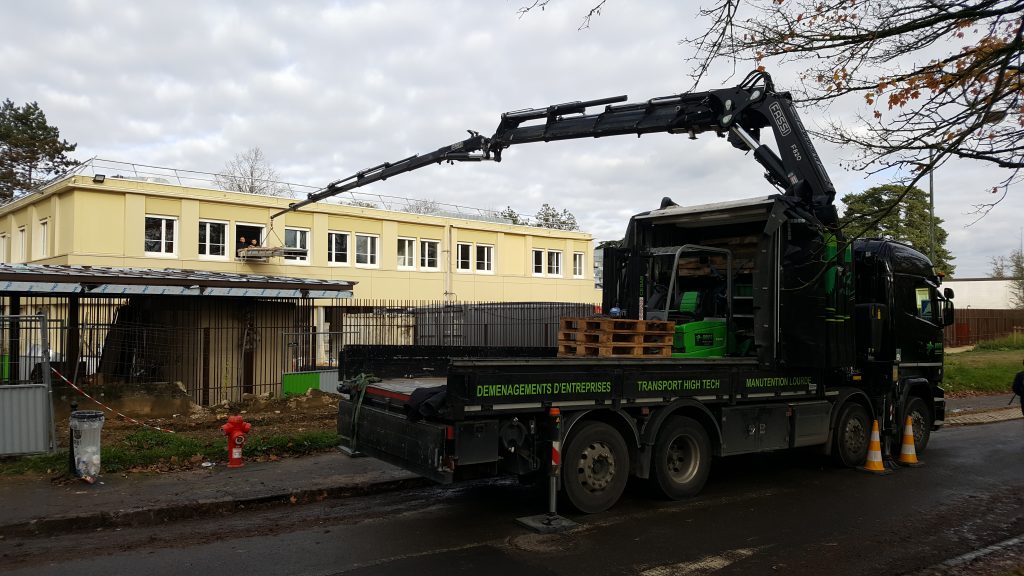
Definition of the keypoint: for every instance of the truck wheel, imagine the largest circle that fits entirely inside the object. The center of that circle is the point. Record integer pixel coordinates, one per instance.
(682, 458)
(596, 467)
(921, 417)
(852, 436)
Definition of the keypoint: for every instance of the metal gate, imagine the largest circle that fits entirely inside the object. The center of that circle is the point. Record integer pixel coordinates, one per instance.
(26, 407)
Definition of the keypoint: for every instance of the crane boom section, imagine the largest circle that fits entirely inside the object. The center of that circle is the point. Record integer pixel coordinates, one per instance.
(739, 113)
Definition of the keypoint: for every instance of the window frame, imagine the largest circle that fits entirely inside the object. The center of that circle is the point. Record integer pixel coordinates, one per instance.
(4, 245)
(543, 262)
(489, 250)
(199, 245)
(424, 266)
(558, 261)
(42, 245)
(163, 239)
(469, 257)
(332, 253)
(582, 265)
(22, 245)
(374, 255)
(411, 256)
(305, 232)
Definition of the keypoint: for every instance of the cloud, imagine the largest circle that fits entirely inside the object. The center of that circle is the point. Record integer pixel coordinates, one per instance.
(329, 88)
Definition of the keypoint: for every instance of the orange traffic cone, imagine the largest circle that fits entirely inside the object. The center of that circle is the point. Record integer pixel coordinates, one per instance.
(874, 462)
(908, 454)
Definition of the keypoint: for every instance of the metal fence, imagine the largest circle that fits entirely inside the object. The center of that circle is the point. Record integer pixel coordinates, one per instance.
(218, 349)
(433, 323)
(974, 325)
(26, 410)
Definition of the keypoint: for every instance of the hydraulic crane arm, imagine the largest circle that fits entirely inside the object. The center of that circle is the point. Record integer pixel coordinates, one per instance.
(739, 112)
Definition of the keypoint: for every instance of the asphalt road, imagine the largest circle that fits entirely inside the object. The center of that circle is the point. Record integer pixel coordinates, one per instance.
(781, 513)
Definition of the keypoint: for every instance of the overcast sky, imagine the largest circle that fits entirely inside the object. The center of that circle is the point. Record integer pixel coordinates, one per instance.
(329, 88)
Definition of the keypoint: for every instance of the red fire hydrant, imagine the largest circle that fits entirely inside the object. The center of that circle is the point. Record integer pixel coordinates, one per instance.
(236, 429)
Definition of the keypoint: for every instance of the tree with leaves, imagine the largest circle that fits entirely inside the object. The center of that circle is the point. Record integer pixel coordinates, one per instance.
(549, 217)
(31, 150)
(909, 221)
(1011, 267)
(250, 172)
(512, 216)
(935, 79)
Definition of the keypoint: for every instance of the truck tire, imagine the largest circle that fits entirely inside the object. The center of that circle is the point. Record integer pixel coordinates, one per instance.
(681, 458)
(921, 417)
(852, 435)
(595, 467)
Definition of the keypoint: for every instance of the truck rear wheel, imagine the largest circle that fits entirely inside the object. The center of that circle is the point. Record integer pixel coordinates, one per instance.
(921, 417)
(852, 435)
(596, 467)
(682, 458)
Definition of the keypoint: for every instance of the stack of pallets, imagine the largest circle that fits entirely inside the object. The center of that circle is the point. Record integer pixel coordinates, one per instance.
(615, 338)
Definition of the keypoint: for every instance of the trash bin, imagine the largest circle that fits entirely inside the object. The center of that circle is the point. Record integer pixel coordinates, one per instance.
(85, 431)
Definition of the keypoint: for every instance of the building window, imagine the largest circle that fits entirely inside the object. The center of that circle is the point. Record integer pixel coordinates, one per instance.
(485, 259)
(406, 254)
(161, 232)
(554, 263)
(3, 249)
(22, 245)
(366, 250)
(213, 239)
(463, 257)
(42, 243)
(577, 265)
(337, 248)
(538, 262)
(249, 236)
(429, 250)
(298, 240)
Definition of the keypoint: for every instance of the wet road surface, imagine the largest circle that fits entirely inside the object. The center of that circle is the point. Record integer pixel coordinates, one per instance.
(790, 513)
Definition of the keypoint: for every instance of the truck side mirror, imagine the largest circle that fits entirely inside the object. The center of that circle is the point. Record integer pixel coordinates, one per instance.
(947, 310)
(948, 293)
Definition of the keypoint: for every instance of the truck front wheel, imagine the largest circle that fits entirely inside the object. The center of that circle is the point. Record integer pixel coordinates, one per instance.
(921, 417)
(682, 458)
(596, 467)
(852, 435)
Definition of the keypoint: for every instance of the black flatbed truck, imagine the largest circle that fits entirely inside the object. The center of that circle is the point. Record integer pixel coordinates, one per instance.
(827, 336)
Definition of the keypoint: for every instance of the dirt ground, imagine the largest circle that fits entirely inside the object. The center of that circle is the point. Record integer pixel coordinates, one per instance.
(315, 411)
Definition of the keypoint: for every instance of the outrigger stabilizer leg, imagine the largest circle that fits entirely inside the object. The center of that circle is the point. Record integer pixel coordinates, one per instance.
(551, 522)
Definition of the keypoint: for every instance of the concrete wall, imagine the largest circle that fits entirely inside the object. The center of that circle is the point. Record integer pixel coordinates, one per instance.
(987, 293)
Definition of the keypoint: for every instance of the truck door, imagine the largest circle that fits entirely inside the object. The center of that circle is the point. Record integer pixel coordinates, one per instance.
(918, 319)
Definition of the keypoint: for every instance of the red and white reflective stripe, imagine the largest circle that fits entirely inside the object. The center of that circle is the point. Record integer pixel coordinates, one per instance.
(104, 406)
(556, 453)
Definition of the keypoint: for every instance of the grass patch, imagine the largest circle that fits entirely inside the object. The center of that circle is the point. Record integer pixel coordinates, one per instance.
(1002, 344)
(988, 371)
(150, 448)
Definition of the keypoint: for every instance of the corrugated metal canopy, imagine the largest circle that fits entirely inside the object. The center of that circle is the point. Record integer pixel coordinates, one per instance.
(96, 280)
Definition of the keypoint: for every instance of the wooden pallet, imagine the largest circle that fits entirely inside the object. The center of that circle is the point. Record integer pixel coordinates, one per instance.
(615, 325)
(615, 338)
(653, 338)
(623, 351)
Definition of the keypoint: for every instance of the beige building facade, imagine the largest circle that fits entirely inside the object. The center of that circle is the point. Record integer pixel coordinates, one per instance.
(87, 220)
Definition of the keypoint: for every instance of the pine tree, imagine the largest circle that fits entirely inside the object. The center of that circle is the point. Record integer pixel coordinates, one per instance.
(31, 151)
(880, 212)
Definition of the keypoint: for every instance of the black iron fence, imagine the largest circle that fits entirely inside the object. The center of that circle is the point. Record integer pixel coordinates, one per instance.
(218, 349)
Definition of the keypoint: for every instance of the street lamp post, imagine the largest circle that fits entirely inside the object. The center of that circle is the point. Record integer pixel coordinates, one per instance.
(931, 208)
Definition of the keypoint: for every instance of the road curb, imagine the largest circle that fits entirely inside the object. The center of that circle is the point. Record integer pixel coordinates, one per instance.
(986, 417)
(134, 518)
